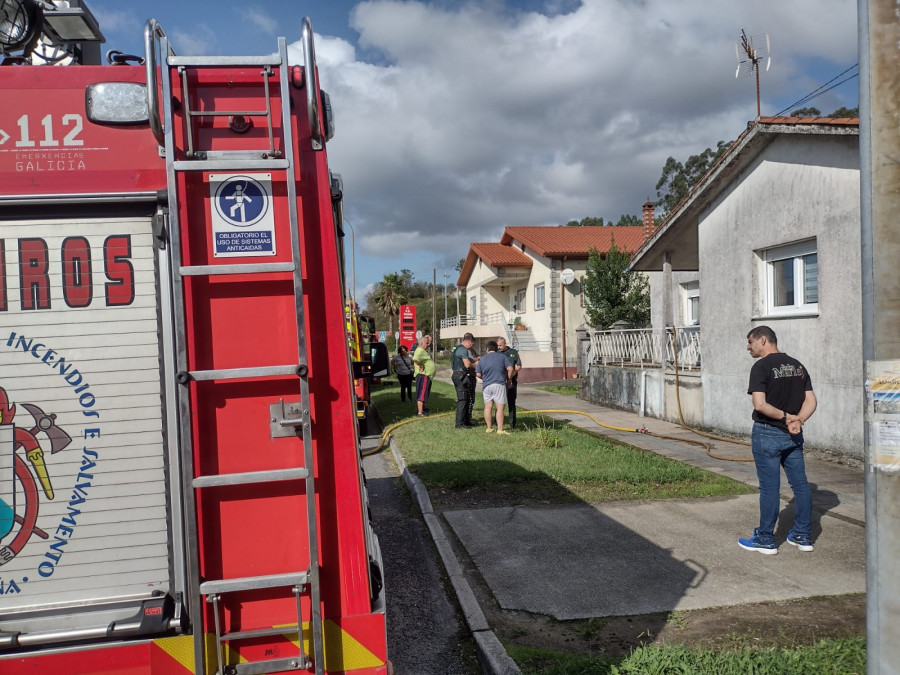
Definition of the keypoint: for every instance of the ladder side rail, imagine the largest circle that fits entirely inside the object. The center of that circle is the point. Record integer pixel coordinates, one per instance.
(191, 540)
(316, 627)
(188, 113)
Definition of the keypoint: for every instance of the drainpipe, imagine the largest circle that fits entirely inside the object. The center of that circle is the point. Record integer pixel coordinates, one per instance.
(643, 392)
(562, 302)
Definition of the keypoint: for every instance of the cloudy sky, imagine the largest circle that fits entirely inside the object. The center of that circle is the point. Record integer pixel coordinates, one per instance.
(456, 119)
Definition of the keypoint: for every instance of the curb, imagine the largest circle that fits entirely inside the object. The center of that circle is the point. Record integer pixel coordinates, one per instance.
(491, 654)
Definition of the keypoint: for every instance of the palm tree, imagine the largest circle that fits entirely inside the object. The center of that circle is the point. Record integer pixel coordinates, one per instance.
(389, 295)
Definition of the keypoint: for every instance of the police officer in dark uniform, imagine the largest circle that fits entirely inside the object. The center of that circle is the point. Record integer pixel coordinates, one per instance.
(512, 356)
(462, 364)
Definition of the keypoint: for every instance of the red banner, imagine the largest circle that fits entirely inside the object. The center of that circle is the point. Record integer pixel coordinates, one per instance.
(408, 326)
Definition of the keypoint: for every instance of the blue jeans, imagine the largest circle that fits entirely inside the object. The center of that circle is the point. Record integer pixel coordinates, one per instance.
(773, 449)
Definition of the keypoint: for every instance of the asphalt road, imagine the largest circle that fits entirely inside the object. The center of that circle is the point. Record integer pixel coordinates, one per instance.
(426, 635)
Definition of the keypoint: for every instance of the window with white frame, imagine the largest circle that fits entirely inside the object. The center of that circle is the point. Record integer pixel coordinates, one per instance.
(792, 278)
(473, 305)
(691, 293)
(539, 296)
(520, 301)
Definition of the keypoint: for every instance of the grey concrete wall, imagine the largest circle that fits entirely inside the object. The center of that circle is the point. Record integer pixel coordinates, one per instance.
(621, 388)
(686, 392)
(798, 188)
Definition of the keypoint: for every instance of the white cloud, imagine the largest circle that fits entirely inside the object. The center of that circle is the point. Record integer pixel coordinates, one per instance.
(199, 39)
(462, 118)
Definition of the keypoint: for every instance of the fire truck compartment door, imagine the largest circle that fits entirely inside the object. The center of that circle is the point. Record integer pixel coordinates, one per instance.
(82, 457)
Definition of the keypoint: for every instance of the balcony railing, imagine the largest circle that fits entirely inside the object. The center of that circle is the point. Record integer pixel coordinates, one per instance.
(473, 320)
(647, 347)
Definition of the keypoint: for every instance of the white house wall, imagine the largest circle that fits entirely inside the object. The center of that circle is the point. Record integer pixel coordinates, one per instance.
(658, 318)
(545, 324)
(575, 315)
(798, 188)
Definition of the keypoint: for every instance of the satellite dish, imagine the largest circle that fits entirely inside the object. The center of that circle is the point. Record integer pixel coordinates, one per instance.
(567, 276)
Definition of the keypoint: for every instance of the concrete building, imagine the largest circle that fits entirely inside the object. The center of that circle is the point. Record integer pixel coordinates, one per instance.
(770, 235)
(516, 288)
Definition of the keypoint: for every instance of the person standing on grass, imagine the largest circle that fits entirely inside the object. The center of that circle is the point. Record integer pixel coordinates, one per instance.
(512, 390)
(403, 366)
(783, 400)
(495, 372)
(425, 370)
(470, 387)
(460, 363)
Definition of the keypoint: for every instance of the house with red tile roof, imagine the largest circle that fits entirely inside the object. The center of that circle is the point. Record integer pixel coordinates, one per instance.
(516, 288)
(770, 235)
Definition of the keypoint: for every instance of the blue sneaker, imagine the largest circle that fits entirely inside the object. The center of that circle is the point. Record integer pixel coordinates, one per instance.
(801, 541)
(754, 544)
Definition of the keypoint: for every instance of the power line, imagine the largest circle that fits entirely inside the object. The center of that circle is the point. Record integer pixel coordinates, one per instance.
(821, 90)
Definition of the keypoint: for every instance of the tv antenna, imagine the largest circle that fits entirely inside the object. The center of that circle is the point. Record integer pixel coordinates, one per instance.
(756, 49)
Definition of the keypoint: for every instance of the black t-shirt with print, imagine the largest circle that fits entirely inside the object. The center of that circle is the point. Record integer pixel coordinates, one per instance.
(784, 381)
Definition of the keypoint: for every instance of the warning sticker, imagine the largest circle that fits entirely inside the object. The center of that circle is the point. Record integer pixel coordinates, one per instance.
(243, 224)
(883, 414)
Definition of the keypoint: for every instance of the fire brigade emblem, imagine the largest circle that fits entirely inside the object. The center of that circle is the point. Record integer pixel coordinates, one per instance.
(22, 464)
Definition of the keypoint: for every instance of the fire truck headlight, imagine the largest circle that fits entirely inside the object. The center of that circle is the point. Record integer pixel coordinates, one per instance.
(116, 103)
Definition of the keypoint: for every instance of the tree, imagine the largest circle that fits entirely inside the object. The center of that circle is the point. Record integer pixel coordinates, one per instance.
(612, 293)
(677, 179)
(807, 112)
(845, 112)
(591, 221)
(628, 220)
(388, 295)
(586, 222)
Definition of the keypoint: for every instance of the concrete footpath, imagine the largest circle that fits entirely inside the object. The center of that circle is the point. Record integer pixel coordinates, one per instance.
(623, 558)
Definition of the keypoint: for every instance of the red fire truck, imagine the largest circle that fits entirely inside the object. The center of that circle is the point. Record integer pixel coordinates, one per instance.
(180, 479)
(369, 360)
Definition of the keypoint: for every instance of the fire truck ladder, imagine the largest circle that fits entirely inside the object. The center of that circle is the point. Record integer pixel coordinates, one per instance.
(266, 159)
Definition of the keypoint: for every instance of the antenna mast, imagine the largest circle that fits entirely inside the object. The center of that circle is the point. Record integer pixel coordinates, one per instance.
(753, 54)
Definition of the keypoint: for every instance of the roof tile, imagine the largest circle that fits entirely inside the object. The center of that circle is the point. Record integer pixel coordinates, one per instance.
(574, 242)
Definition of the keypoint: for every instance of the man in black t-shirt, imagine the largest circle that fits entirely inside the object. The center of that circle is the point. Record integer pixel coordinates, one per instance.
(783, 400)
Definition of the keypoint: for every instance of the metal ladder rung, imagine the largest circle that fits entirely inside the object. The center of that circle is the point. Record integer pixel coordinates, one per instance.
(230, 164)
(193, 61)
(242, 373)
(248, 268)
(253, 583)
(262, 632)
(249, 477)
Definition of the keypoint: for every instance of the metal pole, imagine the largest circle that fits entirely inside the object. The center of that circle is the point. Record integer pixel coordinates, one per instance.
(434, 309)
(879, 145)
(562, 304)
(446, 276)
(352, 254)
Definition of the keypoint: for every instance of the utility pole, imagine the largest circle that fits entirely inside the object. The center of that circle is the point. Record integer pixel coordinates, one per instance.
(434, 328)
(879, 145)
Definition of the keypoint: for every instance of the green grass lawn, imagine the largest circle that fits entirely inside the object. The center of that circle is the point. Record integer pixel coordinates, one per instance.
(543, 460)
(844, 656)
